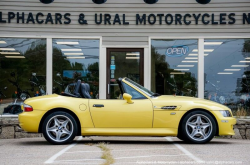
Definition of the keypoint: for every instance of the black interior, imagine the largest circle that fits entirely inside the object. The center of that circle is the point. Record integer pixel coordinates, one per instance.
(81, 91)
(85, 90)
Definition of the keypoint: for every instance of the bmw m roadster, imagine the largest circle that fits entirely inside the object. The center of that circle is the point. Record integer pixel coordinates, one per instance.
(137, 112)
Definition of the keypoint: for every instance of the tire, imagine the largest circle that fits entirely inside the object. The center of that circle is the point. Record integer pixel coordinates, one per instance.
(180, 137)
(198, 127)
(59, 128)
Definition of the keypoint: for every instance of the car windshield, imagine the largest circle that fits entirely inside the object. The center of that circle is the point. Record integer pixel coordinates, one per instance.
(142, 89)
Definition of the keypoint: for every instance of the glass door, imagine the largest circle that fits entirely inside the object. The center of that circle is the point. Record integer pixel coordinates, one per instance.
(123, 63)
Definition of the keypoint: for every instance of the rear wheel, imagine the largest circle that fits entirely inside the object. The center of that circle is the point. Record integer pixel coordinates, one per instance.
(198, 127)
(59, 128)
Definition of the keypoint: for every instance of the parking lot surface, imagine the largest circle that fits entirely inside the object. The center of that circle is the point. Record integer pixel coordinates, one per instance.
(124, 150)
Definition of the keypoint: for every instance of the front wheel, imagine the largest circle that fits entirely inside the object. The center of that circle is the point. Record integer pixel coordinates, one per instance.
(59, 128)
(198, 127)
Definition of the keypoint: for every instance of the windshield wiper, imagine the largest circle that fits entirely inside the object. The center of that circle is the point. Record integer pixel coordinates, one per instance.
(156, 94)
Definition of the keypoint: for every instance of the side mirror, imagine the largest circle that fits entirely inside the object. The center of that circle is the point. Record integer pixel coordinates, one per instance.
(128, 98)
(58, 74)
(33, 74)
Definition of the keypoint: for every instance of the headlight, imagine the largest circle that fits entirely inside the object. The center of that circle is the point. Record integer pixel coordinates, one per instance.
(226, 113)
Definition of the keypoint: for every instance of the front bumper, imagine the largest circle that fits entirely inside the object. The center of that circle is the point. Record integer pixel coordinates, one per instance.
(29, 121)
(226, 126)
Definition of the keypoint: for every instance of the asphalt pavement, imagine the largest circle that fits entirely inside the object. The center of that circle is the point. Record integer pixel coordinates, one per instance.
(124, 150)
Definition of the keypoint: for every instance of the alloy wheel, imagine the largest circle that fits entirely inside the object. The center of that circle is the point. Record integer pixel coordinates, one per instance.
(199, 127)
(59, 128)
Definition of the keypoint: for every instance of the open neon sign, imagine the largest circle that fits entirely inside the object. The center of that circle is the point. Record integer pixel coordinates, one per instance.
(177, 51)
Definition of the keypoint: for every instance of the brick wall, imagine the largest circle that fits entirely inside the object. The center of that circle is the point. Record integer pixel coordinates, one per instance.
(10, 129)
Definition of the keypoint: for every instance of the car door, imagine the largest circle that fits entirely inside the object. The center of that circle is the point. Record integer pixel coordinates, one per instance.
(118, 113)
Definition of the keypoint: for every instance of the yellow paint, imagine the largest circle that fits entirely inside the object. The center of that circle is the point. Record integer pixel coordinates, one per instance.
(128, 98)
(83, 107)
(120, 114)
(120, 118)
(164, 119)
(50, 102)
(30, 121)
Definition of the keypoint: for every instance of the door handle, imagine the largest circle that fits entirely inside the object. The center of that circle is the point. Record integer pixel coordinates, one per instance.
(98, 105)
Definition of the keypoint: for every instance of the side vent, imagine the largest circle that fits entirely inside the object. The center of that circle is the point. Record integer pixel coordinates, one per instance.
(169, 107)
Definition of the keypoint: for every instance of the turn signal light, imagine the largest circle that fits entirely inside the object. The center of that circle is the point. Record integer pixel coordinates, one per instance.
(27, 108)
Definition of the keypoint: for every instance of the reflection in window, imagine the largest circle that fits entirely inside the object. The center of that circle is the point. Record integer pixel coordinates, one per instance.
(227, 72)
(135, 94)
(126, 63)
(22, 72)
(174, 67)
(75, 59)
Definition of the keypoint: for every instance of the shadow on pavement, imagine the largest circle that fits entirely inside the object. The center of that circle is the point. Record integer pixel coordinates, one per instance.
(34, 143)
(151, 142)
(112, 141)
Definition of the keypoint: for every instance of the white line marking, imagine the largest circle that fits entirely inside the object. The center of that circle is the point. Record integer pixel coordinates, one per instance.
(81, 152)
(76, 160)
(147, 156)
(126, 150)
(189, 154)
(77, 163)
(53, 158)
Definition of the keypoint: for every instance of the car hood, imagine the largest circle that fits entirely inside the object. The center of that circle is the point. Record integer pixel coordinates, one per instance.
(186, 103)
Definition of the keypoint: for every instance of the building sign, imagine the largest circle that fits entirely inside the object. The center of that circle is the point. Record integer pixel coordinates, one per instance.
(120, 19)
(177, 51)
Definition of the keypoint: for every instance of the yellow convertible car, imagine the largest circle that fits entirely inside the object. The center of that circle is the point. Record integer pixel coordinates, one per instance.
(137, 112)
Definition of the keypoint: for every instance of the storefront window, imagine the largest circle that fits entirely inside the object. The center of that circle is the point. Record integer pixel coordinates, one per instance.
(227, 73)
(22, 72)
(75, 59)
(174, 67)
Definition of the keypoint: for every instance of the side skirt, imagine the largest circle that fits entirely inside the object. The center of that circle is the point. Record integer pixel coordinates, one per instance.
(129, 132)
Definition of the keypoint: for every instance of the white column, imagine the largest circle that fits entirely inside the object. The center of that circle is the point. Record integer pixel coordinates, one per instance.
(147, 68)
(49, 68)
(102, 73)
(201, 68)
(149, 63)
